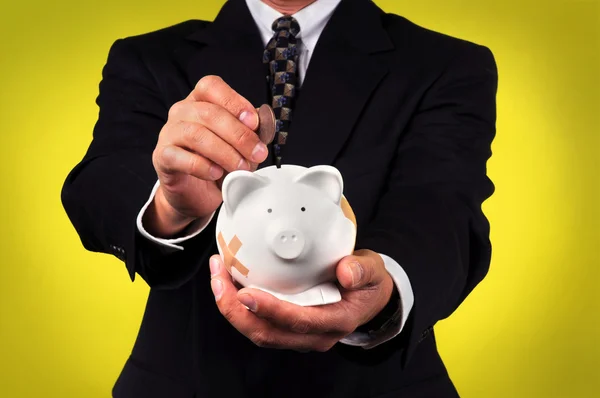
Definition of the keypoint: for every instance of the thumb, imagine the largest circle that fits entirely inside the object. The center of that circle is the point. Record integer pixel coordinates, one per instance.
(363, 269)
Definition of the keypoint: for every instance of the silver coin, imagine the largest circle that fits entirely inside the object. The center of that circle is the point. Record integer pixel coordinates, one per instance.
(266, 126)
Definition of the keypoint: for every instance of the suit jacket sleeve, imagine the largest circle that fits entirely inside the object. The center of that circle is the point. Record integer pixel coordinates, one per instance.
(429, 219)
(104, 193)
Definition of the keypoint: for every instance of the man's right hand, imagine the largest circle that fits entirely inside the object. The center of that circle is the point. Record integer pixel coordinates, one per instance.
(208, 134)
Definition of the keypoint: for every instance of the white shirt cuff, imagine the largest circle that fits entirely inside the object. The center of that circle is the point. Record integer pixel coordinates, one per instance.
(192, 230)
(394, 326)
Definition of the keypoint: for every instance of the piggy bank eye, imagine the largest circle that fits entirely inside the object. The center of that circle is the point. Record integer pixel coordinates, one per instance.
(303, 208)
(269, 210)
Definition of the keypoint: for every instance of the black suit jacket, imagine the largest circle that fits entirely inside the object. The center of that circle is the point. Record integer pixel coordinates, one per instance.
(406, 114)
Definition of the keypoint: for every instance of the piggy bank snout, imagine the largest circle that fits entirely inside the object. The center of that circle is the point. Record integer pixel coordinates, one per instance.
(288, 243)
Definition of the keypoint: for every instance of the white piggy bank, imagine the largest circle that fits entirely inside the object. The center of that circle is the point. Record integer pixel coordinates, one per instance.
(284, 231)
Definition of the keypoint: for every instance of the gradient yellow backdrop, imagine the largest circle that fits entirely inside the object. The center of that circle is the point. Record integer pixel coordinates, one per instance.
(68, 318)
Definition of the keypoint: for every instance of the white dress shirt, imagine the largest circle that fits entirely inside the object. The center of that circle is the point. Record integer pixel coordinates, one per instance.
(312, 20)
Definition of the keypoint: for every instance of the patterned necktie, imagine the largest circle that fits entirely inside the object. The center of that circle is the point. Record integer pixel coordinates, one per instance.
(281, 55)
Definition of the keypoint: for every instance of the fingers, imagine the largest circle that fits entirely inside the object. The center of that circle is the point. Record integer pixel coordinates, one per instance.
(225, 295)
(363, 269)
(258, 330)
(172, 159)
(332, 319)
(202, 141)
(215, 123)
(270, 322)
(214, 90)
(220, 122)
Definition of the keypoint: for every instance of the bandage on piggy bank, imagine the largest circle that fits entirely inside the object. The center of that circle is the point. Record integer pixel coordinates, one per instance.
(284, 231)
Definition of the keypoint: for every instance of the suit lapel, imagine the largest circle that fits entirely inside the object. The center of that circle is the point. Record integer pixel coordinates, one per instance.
(232, 49)
(341, 77)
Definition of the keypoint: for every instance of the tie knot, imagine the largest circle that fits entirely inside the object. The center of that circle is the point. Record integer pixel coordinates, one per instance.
(286, 23)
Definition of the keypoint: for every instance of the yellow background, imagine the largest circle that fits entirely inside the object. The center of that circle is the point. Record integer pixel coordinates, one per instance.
(68, 318)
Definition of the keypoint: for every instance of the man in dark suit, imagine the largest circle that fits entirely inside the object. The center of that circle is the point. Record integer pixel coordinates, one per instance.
(406, 114)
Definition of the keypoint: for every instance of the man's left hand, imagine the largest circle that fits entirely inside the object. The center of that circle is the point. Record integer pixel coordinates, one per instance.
(366, 288)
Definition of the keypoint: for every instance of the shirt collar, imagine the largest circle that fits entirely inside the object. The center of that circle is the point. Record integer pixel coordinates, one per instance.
(312, 20)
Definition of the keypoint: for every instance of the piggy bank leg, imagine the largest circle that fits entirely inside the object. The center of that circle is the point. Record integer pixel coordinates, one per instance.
(326, 293)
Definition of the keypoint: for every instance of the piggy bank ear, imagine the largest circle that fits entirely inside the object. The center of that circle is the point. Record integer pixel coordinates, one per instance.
(237, 185)
(326, 179)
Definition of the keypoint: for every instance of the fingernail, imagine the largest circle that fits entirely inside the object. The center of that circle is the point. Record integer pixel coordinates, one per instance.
(215, 172)
(356, 271)
(259, 153)
(248, 301)
(243, 165)
(217, 288)
(249, 119)
(215, 266)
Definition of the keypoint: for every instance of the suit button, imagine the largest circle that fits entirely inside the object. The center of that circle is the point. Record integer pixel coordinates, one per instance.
(119, 252)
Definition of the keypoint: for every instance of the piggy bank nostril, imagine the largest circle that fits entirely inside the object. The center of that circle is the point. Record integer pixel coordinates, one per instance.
(288, 244)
